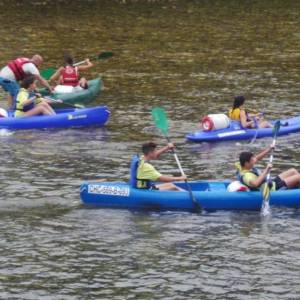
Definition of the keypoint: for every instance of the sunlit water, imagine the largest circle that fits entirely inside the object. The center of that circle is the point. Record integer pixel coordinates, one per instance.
(191, 58)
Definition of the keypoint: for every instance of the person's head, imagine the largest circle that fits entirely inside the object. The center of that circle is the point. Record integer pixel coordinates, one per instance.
(28, 82)
(37, 59)
(238, 101)
(68, 59)
(149, 149)
(247, 160)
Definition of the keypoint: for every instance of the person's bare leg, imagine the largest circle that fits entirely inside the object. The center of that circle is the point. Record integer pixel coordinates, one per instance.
(9, 101)
(37, 110)
(168, 187)
(288, 173)
(292, 181)
(48, 108)
(265, 124)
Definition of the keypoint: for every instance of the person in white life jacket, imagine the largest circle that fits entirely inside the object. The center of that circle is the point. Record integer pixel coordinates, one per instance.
(69, 75)
(16, 70)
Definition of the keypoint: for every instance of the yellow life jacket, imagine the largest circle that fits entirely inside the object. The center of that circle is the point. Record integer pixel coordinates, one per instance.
(235, 114)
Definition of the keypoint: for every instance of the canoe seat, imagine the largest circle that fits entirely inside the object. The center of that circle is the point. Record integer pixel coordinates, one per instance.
(216, 186)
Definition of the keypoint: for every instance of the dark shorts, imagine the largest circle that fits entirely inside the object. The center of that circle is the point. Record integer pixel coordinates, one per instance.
(153, 187)
(10, 86)
(279, 184)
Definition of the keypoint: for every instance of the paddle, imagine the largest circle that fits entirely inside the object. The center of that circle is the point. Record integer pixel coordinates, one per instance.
(47, 73)
(256, 132)
(161, 122)
(266, 188)
(63, 102)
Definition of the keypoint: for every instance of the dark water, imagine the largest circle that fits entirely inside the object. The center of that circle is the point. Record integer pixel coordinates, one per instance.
(190, 57)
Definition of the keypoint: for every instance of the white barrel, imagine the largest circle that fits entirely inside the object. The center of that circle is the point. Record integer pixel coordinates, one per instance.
(3, 113)
(215, 122)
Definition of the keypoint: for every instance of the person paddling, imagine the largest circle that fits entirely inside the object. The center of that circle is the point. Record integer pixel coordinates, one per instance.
(254, 179)
(69, 74)
(146, 174)
(238, 113)
(24, 104)
(16, 70)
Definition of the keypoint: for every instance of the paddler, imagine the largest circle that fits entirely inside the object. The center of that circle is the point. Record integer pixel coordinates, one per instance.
(16, 70)
(68, 75)
(254, 179)
(238, 113)
(146, 174)
(25, 105)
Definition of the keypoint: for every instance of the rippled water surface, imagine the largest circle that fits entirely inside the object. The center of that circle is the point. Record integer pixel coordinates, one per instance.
(190, 57)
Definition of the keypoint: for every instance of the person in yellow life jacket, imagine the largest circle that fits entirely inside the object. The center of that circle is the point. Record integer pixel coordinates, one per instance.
(69, 74)
(24, 105)
(146, 174)
(238, 113)
(254, 179)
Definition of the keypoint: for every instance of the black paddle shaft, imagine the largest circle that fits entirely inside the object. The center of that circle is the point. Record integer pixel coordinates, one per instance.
(196, 203)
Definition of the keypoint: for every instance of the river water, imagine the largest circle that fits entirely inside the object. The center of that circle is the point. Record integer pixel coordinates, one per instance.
(191, 57)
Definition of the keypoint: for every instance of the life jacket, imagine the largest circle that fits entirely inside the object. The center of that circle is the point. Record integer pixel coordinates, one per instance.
(133, 181)
(25, 107)
(241, 173)
(16, 67)
(69, 76)
(234, 114)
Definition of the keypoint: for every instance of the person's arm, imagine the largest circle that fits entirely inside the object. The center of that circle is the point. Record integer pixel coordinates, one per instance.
(27, 101)
(87, 65)
(56, 75)
(260, 179)
(263, 153)
(165, 149)
(165, 178)
(44, 82)
(243, 118)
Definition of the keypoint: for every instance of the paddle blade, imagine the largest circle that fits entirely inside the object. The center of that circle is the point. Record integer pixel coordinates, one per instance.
(47, 73)
(276, 128)
(160, 119)
(266, 192)
(105, 55)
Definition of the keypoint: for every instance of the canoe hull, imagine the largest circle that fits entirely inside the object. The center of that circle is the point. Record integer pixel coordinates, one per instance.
(64, 118)
(81, 97)
(211, 195)
(235, 132)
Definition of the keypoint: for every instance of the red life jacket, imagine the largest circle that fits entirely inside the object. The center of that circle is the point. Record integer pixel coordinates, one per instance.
(69, 76)
(16, 67)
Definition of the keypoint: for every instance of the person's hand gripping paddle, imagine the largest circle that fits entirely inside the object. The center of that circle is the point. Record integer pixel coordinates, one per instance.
(265, 209)
(161, 122)
(47, 73)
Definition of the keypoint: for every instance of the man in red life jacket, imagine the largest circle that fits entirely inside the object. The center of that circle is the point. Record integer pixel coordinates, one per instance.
(16, 70)
(69, 75)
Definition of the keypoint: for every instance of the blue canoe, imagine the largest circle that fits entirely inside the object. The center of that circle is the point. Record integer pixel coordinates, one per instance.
(63, 118)
(211, 196)
(236, 132)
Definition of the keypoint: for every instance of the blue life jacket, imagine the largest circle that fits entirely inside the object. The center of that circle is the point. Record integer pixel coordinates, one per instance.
(133, 174)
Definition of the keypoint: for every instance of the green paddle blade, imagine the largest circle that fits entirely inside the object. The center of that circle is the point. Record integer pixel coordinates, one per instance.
(105, 55)
(276, 128)
(160, 119)
(47, 73)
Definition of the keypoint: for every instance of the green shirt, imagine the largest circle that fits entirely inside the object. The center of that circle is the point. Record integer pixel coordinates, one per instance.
(146, 171)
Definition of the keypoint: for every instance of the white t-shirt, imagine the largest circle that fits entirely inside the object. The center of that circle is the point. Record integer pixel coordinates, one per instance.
(28, 68)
